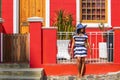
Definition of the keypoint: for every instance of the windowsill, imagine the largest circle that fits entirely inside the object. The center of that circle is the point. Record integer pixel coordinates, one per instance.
(95, 25)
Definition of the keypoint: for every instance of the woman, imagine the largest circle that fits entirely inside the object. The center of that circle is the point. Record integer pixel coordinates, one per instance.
(80, 44)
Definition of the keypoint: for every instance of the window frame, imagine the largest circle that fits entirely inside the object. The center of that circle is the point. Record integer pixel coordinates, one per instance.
(94, 21)
(93, 24)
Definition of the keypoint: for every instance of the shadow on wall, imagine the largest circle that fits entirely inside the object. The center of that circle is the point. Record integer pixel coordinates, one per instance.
(2, 29)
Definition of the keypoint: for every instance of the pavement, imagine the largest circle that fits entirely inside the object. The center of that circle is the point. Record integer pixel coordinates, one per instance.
(109, 76)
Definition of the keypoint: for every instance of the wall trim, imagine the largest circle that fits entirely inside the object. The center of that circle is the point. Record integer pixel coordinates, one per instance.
(77, 12)
(1, 20)
(35, 19)
(49, 28)
(116, 28)
(15, 16)
(47, 22)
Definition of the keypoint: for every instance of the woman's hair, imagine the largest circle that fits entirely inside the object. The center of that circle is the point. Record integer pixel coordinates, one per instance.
(79, 31)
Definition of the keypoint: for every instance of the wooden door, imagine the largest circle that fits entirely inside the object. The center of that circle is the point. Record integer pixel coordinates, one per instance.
(30, 8)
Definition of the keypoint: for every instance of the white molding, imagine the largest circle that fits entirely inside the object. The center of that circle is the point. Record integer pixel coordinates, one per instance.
(109, 12)
(93, 25)
(47, 20)
(77, 12)
(116, 28)
(35, 19)
(1, 20)
(15, 16)
(49, 28)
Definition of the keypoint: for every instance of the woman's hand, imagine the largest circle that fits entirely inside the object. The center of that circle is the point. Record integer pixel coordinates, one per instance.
(71, 53)
(90, 51)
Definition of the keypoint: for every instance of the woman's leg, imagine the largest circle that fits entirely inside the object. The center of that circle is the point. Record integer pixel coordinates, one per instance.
(79, 66)
(82, 65)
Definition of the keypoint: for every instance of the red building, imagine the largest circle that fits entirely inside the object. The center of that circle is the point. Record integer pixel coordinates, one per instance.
(16, 16)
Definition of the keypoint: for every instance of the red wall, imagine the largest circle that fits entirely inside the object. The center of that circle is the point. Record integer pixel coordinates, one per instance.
(117, 46)
(35, 44)
(7, 15)
(49, 48)
(69, 6)
(115, 12)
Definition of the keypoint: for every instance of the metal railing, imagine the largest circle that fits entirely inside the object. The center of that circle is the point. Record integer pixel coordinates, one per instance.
(101, 43)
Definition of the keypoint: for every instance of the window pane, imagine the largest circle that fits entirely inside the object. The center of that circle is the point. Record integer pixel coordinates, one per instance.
(94, 11)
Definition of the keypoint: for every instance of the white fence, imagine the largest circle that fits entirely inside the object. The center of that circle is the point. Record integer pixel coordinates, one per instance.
(102, 44)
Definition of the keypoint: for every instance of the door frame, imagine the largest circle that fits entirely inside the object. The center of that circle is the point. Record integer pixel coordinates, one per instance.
(16, 15)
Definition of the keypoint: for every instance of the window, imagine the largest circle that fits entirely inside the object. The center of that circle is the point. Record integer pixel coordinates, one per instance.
(93, 11)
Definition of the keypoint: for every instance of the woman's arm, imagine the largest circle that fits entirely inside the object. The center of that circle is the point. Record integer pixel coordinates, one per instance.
(72, 47)
(73, 41)
(88, 46)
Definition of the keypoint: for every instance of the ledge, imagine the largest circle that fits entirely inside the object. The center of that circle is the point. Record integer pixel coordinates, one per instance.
(116, 28)
(35, 19)
(49, 28)
(1, 20)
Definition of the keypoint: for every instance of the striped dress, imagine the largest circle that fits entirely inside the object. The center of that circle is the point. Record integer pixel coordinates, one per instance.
(79, 47)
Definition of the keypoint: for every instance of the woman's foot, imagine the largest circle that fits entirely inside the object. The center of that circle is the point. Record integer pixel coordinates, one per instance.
(79, 75)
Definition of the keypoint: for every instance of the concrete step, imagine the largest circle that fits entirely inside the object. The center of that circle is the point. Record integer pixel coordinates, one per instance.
(21, 74)
(14, 65)
(19, 71)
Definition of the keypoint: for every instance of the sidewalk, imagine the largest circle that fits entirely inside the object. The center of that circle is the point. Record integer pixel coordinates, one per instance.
(109, 76)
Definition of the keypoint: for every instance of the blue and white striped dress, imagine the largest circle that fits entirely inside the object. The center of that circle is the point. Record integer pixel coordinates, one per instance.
(79, 47)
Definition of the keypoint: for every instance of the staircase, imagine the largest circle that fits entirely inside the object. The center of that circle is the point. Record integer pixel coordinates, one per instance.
(19, 72)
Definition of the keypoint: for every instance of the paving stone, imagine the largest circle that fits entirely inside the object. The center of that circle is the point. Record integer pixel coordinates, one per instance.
(109, 76)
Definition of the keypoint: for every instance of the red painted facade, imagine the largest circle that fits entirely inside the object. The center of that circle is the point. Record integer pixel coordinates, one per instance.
(117, 45)
(49, 47)
(41, 40)
(67, 6)
(7, 15)
(70, 6)
(35, 44)
(48, 56)
(115, 13)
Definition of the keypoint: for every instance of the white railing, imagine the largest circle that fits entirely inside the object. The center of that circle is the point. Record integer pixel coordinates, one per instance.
(102, 44)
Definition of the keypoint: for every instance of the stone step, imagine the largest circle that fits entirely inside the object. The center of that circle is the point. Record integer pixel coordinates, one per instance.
(19, 78)
(18, 74)
(14, 65)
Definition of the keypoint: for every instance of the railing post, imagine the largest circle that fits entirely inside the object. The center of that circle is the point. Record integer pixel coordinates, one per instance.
(35, 42)
(117, 45)
(49, 44)
(2, 30)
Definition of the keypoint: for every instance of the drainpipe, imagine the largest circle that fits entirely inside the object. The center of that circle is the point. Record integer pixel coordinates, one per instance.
(2, 30)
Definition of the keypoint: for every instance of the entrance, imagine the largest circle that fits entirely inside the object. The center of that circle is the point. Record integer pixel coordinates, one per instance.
(30, 8)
